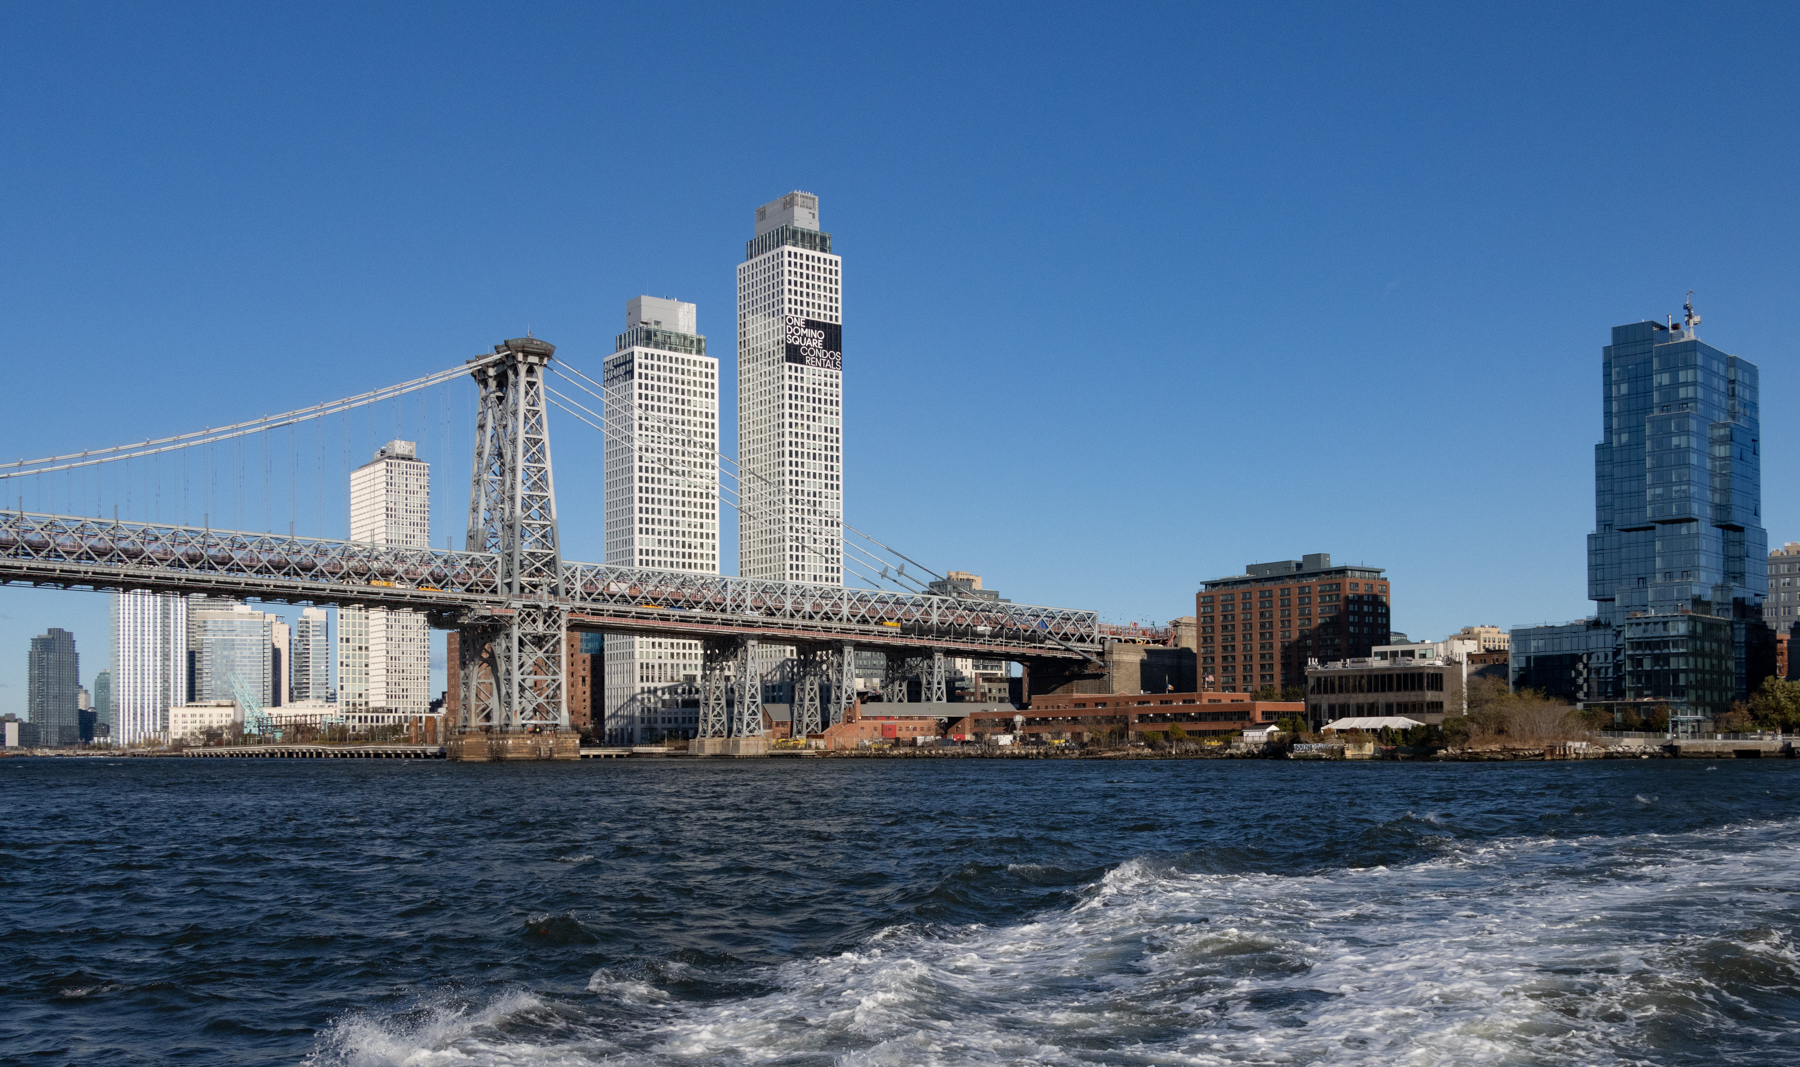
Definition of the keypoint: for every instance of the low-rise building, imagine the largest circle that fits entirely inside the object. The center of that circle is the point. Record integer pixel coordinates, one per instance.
(1422, 689)
(1077, 716)
(1491, 664)
(311, 713)
(1490, 638)
(1577, 661)
(1452, 648)
(192, 722)
(879, 722)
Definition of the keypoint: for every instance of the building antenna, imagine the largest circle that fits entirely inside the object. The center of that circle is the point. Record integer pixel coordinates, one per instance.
(1689, 316)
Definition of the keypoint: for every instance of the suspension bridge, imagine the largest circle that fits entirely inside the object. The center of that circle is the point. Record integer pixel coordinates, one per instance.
(511, 596)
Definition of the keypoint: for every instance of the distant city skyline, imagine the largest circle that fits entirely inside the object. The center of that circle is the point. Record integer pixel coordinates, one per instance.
(1115, 323)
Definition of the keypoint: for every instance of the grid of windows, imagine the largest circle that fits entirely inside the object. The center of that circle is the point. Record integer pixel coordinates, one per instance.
(662, 511)
(1677, 539)
(1677, 479)
(790, 416)
(1258, 632)
(149, 669)
(384, 657)
(1781, 608)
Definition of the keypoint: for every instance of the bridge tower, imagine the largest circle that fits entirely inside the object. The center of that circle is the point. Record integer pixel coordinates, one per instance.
(510, 672)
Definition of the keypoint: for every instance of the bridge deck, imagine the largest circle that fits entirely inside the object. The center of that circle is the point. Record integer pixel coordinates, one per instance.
(75, 552)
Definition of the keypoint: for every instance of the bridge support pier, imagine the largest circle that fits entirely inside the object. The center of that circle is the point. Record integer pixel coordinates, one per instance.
(746, 711)
(512, 678)
(809, 706)
(734, 728)
(843, 690)
(932, 682)
(715, 682)
(894, 689)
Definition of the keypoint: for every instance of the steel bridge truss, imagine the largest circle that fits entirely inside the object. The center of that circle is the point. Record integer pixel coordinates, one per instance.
(512, 516)
(448, 585)
(513, 598)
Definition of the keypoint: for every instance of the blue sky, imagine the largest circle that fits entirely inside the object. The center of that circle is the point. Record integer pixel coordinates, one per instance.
(1134, 295)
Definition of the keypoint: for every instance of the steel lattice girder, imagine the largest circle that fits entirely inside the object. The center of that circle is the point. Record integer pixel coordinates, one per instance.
(843, 690)
(514, 510)
(715, 681)
(746, 710)
(476, 678)
(103, 554)
(807, 713)
(754, 601)
(931, 681)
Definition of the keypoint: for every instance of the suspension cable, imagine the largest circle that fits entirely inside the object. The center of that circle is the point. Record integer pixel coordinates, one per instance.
(90, 458)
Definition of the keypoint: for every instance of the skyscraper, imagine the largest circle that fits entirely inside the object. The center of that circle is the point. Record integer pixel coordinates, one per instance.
(53, 688)
(790, 398)
(384, 657)
(662, 503)
(149, 664)
(1678, 560)
(231, 653)
(281, 664)
(103, 706)
(312, 655)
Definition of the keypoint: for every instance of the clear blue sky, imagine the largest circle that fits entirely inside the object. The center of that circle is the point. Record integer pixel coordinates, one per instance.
(1134, 295)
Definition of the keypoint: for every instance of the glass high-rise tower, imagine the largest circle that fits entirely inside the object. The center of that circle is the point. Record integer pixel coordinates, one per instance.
(1677, 562)
(1677, 480)
(53, 680)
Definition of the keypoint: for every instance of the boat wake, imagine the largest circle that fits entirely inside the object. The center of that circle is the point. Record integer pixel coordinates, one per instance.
(1638, 949)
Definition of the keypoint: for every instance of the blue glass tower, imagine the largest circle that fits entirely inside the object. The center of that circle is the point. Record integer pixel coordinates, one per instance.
(1677, 480)
(1678, 560)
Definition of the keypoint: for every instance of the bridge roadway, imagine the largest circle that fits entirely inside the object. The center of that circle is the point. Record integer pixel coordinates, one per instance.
(451, 586)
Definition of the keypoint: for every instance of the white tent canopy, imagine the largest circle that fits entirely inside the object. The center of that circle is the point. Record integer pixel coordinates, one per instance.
(1376, 722)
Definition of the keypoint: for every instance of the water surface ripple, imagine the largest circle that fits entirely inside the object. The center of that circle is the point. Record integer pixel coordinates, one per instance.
(899, 912)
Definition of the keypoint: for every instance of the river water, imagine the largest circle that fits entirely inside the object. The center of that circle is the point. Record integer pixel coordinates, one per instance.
(899, 912)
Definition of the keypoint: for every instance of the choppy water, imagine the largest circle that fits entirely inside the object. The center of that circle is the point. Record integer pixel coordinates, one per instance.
(903, 912)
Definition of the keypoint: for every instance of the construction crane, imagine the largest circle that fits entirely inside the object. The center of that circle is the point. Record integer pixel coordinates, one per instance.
(256, 721)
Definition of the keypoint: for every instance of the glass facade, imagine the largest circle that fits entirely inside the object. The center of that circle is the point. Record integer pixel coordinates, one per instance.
(230, 648)
(53, 687)
(1678, 556)
(1677, 480)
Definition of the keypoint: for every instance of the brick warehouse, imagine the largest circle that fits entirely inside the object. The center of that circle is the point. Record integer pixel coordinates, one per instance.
(1066, 716)
(1260, 628)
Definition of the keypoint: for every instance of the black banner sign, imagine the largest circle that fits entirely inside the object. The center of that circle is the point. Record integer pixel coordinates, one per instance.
(812, 343)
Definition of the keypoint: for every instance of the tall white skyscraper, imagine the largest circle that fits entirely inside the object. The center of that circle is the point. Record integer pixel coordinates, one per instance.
(790, 398)
(149, 669)
(662, 503)
(384, 657)
(312, 655)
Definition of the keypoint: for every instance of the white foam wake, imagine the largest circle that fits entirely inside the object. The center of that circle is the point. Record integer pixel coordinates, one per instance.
(1543, 952)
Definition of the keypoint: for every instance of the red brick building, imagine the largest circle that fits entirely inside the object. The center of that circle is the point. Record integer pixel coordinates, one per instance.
(878, 723)
(1074, 716)
(1258, 629)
